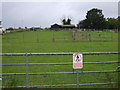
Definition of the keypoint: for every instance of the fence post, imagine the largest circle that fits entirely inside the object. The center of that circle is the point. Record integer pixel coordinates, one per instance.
(37, 38)
(27, 70)
(77, 79)
(53, 37)
(23, 37)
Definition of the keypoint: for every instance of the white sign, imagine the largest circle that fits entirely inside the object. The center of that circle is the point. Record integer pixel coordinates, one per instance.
(77, 61)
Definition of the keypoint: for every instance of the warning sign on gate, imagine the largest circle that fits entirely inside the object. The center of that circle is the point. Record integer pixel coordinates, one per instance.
(77, 61)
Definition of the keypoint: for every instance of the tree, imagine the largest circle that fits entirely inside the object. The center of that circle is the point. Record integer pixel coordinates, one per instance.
(119, 23)
(0, 22)
(118, 18)
(94, 19)
(26, 28)
(82, 24)
(68, 22)
(64, 21)
(112, 23)
(10, 28)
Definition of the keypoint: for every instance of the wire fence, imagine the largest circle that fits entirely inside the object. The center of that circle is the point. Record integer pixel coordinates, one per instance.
(75, 35)
(54, 73)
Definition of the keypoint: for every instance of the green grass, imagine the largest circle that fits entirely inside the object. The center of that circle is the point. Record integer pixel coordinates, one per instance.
(42, 42)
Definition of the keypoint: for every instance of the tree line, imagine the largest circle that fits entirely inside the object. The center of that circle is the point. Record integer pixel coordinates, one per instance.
(96, 20)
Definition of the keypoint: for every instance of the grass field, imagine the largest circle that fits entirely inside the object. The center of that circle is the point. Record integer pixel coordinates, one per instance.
(42, 42)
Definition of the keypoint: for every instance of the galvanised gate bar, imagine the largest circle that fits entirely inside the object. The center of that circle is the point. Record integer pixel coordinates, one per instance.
(77, 82)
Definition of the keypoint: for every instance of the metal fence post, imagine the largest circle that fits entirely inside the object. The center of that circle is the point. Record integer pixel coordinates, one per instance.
(27, 70)
(77, 79)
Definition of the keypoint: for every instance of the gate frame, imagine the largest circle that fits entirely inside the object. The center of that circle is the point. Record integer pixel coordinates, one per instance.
(77, 81)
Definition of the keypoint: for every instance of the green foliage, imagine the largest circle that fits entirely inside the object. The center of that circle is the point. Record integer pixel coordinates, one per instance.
(68, 22)
(10, 28)
(94, 19)
(119, 18)
(112, 23)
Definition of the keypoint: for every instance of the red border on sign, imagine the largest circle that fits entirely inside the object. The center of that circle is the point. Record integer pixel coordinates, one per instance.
(79, 56)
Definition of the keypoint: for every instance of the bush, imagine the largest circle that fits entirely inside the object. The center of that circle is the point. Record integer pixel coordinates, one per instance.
(10, 28)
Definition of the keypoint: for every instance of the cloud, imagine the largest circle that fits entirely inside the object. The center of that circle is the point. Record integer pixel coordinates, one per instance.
(21, 14)
(0, 11)
(119, 8)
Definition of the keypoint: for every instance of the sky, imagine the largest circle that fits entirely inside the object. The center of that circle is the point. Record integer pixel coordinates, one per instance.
(44, 14)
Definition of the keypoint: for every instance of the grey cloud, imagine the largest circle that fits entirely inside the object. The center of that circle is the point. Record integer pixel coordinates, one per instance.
(119, 8)
(44, 14)
(0, 14)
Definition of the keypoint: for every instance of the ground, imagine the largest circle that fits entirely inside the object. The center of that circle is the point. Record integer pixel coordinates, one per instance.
(58, 41)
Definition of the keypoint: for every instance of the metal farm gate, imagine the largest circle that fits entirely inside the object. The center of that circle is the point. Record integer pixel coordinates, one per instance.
(77, 84)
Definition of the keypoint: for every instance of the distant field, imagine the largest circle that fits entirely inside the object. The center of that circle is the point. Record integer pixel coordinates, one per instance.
(42, 41)
(58, 41)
